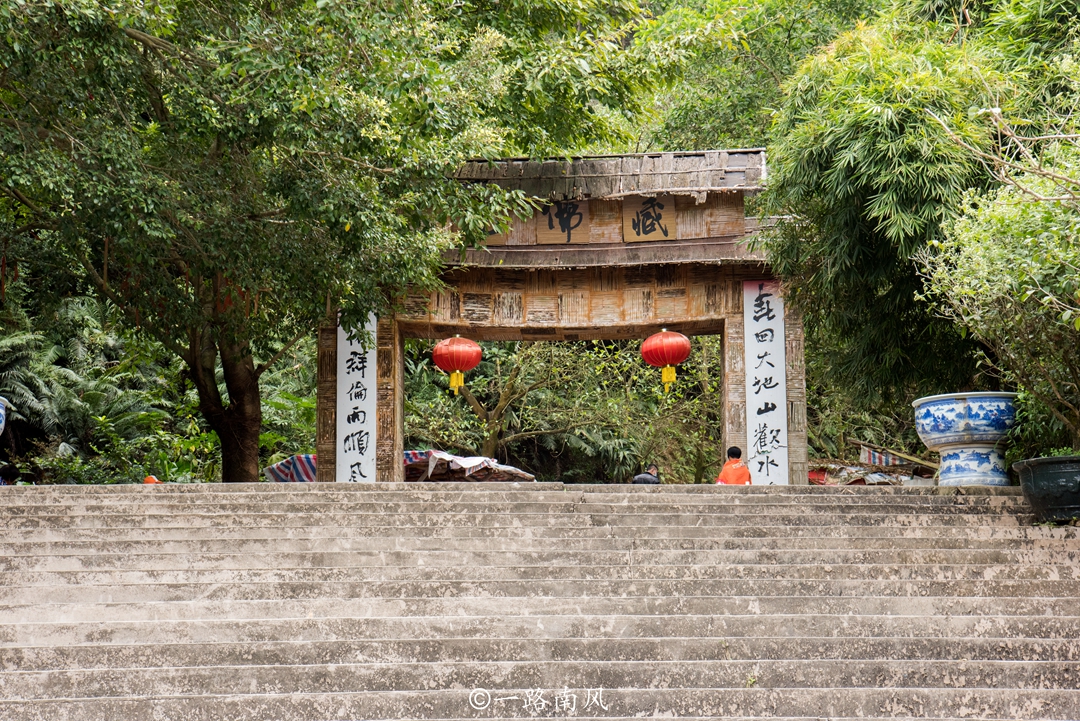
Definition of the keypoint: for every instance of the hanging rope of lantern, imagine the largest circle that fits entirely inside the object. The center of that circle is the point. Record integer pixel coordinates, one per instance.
(665, 350)
(455, 356)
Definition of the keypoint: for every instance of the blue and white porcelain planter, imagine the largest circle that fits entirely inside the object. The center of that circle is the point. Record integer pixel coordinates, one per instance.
(967, 430)
(3, 413)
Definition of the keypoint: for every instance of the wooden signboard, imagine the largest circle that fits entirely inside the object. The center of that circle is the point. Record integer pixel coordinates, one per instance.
(649, 219)
(562, 222)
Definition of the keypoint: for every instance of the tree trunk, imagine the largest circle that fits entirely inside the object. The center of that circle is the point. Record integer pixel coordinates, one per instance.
(239, 423)
(491, 440)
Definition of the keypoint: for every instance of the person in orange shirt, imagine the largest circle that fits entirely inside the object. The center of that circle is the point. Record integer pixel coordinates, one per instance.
(735, 472)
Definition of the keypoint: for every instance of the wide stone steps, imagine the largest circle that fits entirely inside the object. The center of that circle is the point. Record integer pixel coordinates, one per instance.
(976, 702)
(338, 602)
(535, 608)
(326, 629)
(609, 674)
(154, 554)
(91, 550)
(545, 572)
(135, 654)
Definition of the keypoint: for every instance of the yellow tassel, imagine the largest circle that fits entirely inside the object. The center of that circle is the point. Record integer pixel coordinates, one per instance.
(667, 375)
(457, 379)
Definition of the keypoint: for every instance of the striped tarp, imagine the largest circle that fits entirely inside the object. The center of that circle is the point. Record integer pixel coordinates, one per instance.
(294, 469)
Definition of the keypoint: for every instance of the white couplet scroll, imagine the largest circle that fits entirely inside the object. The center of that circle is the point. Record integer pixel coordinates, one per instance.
(766, 383)
(356, 406)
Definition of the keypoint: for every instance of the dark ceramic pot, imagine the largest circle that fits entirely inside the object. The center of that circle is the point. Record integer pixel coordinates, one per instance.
(1051, 486)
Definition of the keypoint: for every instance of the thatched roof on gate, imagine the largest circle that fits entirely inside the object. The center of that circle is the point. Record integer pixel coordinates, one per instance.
(615, 176)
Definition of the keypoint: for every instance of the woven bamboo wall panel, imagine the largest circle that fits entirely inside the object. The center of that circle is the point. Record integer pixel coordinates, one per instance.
(606, 221)
(574, 309)
(476, 307)
(542, 310)
(509, 308)
(671, 303)
(723, 214)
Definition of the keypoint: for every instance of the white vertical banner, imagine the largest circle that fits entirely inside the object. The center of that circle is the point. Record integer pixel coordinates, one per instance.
(766, 383)
(356, 406)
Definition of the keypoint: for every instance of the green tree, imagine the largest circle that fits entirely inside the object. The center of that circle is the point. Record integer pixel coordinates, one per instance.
(862, 177)
(228, 173)
(728, 95)
(589, 411)
(1009, 273)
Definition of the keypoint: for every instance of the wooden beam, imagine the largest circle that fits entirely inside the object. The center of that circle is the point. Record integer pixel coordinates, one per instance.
(698, 250)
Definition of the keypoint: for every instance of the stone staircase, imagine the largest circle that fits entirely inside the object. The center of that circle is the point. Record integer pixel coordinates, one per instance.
(340, 602)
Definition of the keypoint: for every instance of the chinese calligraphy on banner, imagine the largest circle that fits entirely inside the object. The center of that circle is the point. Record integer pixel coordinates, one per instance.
(356, 414)
(766, 383)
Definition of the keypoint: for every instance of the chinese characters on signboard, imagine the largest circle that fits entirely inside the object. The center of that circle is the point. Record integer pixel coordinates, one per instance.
(564, 221)
(647, 219)
(766, 387)
(356, 414)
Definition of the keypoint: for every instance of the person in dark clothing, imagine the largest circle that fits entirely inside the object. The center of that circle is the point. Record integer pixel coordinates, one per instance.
(9, 474)
(651, 475)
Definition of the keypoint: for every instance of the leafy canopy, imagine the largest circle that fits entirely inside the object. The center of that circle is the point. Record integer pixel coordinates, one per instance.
(863, 176)
(1008, 271)
(227, 173)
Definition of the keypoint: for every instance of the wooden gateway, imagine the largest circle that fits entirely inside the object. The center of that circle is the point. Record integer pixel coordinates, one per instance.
(622, 246)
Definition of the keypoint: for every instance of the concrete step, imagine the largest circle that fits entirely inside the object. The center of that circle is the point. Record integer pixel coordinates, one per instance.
(99, 553)
(622, 702)
(487, 568)
(608, 674)
(534, 520)
(553, 533)
(25, 618)
(527, 503)
(792, 624)
(998, 563)
(559, 588)
(927, 651)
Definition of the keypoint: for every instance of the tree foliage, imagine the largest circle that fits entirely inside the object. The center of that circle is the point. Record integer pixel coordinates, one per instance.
(1009, 273)
(728, 95)
(573, 411)
(863, 177)
(228, 173)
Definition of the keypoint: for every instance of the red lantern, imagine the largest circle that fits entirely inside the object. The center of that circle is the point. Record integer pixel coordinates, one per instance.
(455, 356)
(666, 350)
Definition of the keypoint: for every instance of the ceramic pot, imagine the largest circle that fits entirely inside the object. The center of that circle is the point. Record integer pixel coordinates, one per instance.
(1051, 486)
(3, 413)
(967, 430)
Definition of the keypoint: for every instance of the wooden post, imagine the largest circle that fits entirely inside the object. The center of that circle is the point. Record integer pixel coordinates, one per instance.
(390, 446)
(734, 381)
(326, 404)
(798, 445)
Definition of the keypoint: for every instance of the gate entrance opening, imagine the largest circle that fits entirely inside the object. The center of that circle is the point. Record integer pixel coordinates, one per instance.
(624, 246)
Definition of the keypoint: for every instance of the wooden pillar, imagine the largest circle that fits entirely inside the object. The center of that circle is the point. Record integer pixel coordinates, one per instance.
(734, 380)
(326, 404)
(390, 444)
(798, 445)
